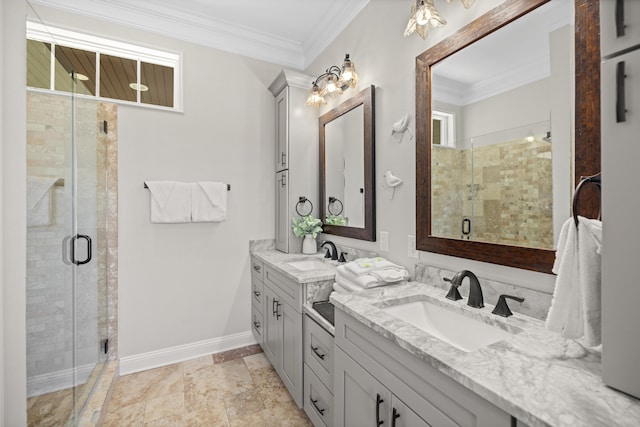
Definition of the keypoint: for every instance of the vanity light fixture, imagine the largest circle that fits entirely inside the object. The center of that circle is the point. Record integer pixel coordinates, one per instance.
(423, 14)
(332, 82)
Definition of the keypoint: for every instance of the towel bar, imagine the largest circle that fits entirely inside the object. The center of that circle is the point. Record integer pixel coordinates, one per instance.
(228, 186)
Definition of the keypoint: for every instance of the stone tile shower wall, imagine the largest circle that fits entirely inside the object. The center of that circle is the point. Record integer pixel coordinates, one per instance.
(513, 188)
(51, 312)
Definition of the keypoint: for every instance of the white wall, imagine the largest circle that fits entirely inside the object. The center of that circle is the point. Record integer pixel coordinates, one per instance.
(386, 59)
(181, 284)
(13, 191)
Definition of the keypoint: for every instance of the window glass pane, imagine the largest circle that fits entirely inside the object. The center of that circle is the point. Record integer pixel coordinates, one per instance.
(436, 138)
(159, 81)
(38, 64)
(116, 74)
(80, 62)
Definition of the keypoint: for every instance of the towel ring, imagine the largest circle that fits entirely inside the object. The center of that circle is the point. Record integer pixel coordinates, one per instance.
(333, 201)
(302, 205)
(597, 181)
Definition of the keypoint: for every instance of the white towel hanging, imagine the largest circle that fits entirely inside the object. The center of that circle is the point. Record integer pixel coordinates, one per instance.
(209, 202)
(170, 202)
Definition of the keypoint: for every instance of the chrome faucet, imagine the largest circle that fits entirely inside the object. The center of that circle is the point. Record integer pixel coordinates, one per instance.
(475, 291)
(331, 253)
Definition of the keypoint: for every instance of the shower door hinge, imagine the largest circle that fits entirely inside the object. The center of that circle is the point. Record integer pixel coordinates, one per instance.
(105, 343)
(105, 126)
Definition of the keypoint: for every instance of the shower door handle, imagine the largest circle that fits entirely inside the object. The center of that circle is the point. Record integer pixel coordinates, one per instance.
(73, 249)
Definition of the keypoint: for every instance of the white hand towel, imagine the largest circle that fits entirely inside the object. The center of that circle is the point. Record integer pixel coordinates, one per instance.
(364, 280)
(170, 202)
(366, 265)
(390, 274)
(575, 309)
(348, 284)
(39, 200)
(209, 202)
(339, 289)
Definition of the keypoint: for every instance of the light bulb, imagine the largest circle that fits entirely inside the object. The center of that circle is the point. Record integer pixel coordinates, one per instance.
(423, 14)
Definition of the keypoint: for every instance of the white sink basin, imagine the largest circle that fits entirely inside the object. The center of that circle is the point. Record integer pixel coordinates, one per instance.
(463, 332)
(308, 265)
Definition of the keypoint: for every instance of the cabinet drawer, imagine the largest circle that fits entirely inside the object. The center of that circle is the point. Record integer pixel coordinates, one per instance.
(287, 289)
(318, 351)
(318, 400)
(257, 323)
(619, 25)
(257, 293)
(257, 269)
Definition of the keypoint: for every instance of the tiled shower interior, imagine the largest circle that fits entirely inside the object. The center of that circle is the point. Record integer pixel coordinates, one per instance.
(70, 309)
(502, 183)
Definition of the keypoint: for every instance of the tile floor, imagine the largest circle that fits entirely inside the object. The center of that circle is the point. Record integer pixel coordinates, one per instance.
(236, 388)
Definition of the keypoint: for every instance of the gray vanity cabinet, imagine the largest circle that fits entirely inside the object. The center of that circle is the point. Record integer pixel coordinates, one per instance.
(318, 373)
(282, 342)
(368, 367)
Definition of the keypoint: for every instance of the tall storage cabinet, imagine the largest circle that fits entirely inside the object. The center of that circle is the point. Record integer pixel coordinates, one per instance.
(296, 154)
(620, 109)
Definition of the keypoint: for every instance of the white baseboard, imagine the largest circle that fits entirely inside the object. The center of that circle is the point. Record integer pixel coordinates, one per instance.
(168, 356)
(59, 380)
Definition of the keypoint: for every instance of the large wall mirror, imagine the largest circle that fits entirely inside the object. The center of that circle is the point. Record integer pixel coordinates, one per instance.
(495, 132)
(347, 164)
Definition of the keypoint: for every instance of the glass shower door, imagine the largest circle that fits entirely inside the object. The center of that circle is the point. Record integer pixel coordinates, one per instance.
(66, 255)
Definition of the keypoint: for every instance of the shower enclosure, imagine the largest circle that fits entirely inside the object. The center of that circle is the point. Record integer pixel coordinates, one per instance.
(69, 156)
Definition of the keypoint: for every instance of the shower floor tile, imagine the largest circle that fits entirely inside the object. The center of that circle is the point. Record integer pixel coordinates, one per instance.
(237, 388)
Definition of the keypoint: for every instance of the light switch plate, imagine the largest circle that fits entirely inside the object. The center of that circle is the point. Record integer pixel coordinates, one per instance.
(384, 241)
(411, 247)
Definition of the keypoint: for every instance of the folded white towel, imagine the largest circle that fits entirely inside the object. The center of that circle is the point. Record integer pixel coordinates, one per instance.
(209, 202)
(366, 265)
(348, 284)
(170, 201)
(575, 309)
(364, 280)
(390, 274)
(339, 289)
(39, 200)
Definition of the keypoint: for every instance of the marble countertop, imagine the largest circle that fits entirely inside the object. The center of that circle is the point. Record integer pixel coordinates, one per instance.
(280, 262)
(536, 375)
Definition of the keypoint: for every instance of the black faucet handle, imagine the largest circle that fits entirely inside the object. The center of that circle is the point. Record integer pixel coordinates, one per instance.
(453, 293)
(502, 308)
(342, 258)
(328, 253)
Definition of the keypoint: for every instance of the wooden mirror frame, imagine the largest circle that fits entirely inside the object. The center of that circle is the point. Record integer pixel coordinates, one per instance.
(366, 98)
(587, 128)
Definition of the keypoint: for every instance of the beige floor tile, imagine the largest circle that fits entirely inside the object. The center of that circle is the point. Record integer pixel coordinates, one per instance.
(164, 406)
(243, 404)
(253, 420)
(257, 361)
(129, 416)
(194, 364)
(51, 409)
(140, 387)
(237, 353)
(175, 420)
(285, 416)
(211, 414)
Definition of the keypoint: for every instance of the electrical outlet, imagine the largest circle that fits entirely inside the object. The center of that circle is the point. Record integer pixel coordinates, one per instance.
(384, 241)
(411, 247)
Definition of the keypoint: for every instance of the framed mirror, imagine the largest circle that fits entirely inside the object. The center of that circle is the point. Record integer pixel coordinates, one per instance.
(347, 166)
(491, 184)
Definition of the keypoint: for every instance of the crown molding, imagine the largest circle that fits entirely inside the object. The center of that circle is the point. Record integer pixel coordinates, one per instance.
(181, 24)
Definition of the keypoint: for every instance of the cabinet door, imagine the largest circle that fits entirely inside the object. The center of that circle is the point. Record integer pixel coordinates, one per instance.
(282, 212)
(282, 130)
(291, 333)
(621, 235)
(271, 328)
(619, 25)
(403, 416)
(360, 400)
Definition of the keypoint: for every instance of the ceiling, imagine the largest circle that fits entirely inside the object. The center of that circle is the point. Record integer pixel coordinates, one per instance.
(290, 33)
